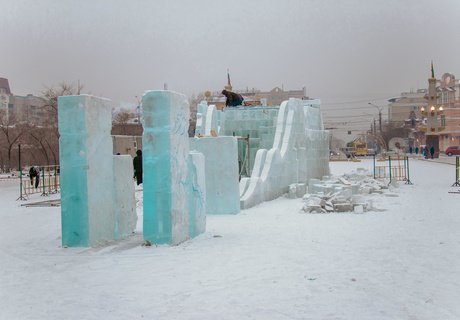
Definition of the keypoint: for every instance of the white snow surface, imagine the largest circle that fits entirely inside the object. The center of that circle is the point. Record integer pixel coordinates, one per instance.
(269, 262)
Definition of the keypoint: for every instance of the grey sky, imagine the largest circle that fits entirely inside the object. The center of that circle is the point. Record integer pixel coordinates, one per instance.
(339, 50)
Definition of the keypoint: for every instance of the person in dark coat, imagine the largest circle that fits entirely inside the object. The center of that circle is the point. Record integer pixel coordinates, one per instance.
(34, 173)
(233, 99)
(137, 163)
(432, 152)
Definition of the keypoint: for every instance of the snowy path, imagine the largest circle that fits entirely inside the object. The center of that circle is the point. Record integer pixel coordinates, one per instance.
(269, 262)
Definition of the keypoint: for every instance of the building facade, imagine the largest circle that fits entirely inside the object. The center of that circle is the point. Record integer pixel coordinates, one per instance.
(448, 98)
(432, 114)
(27, 108)
(5, 94)
(406, 109)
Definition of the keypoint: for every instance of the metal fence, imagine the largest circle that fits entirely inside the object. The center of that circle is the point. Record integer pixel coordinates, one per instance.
(395, 167)
(49, 182)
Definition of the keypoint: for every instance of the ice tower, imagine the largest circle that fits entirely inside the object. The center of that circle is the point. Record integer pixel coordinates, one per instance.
(174, 197)
(94, 208)
(86, 181)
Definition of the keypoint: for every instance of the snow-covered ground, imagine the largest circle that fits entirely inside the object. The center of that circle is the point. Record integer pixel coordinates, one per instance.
(270, 262)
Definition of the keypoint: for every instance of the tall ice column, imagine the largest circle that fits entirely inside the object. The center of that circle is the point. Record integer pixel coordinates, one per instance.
(165, 161)
(87, 189)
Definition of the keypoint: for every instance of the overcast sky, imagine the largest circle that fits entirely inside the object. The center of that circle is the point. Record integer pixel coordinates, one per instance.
(356, 50)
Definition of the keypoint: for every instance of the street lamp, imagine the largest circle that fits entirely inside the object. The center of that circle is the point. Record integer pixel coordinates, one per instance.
(380, 115)
(431, 113)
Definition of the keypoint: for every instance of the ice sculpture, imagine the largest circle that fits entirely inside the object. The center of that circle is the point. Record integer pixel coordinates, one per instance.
(202, 108)
(300, 151)
(88, 182)
(286, 145)
(166, 161)
(208, 119)
(211, 121)
(221, 166)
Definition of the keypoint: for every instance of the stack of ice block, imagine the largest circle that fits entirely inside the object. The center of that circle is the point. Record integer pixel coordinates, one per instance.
(92, 208)
(221, 167)
(168, 181)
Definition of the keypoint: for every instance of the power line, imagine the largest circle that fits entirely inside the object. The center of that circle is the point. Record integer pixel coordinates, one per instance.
(351, 108)
(354, 101)
(349, 116)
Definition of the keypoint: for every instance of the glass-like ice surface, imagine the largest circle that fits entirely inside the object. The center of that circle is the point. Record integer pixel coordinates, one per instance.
(168, 171)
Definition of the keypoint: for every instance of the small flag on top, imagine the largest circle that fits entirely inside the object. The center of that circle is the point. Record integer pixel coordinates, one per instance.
(228, 78)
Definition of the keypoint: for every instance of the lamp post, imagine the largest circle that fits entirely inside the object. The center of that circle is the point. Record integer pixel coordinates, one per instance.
(431, 113)
(330, 138)
(380, 115)
(138, 109)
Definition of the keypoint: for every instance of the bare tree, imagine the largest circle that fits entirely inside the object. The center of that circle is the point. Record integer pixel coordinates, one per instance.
(49, 141)
(40, 137)
(64, 89)
(122, 119)
(11, 133)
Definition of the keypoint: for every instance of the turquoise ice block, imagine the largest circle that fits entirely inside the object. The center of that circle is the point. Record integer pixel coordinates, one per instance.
(165, 160)
(87, 214)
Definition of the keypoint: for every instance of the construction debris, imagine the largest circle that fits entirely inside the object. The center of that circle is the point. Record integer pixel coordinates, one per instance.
(353, 192)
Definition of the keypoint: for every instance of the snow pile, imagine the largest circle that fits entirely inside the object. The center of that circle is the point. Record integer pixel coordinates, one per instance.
(353, 192)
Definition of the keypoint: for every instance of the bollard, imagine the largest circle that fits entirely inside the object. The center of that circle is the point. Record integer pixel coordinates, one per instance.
(408, 172)
(21, 197)
(457, 165)
(389, 165)
(44, 194)
(374, 165)
(55, 180)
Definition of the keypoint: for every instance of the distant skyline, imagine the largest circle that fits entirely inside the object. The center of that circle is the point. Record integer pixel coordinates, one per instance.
(354, 50)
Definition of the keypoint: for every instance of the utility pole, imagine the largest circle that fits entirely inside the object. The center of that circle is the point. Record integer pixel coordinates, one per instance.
(138, 110)
(380, 115)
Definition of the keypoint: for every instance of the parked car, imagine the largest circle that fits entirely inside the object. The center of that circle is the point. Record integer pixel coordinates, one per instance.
(453, 150)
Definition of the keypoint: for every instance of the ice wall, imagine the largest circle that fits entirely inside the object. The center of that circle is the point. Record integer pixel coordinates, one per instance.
(287, 145)
(166, 168)
(211, 121)
(257, 123)
(88, 185)
(299, 152)
(125, 201)
(201, 111)
(197, 194)
(221, 167)
(208, 119)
